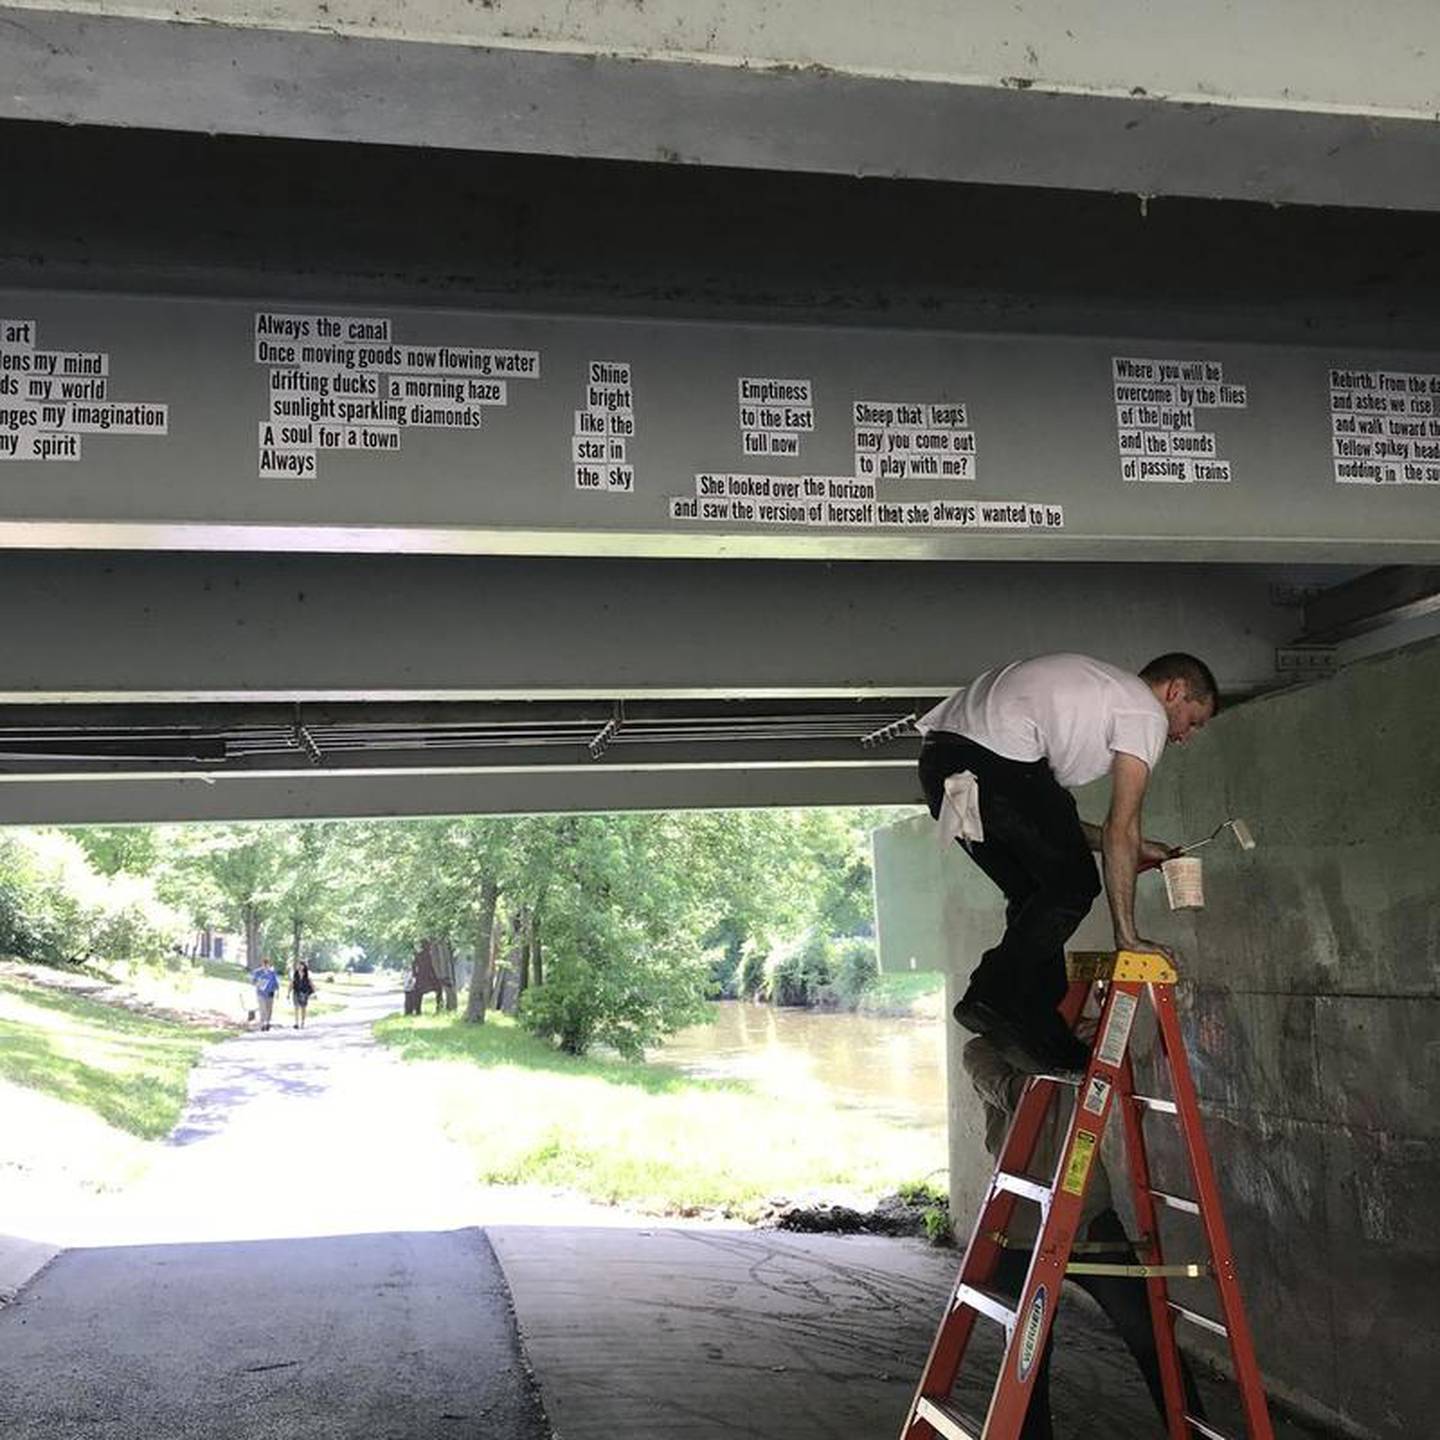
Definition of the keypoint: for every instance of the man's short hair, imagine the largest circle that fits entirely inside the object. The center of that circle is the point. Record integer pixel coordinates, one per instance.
(1197, 675)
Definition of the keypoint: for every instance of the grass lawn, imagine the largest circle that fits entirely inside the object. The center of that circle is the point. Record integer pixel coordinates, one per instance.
(127, 1068)
(919, 992)
(644, 1135)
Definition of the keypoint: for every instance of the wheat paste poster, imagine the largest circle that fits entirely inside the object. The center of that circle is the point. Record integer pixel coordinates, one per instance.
(342, 382)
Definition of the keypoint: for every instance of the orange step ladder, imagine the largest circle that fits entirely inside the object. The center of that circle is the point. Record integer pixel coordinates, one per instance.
(1108, 1083)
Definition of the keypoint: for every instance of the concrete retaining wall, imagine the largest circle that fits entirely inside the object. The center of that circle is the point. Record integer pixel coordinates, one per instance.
(1312, 1013)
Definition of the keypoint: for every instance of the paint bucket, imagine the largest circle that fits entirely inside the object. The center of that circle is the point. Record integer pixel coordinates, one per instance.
(1184, 888)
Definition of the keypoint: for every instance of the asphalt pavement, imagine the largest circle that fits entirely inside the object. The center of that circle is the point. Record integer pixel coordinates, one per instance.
(386, 1337)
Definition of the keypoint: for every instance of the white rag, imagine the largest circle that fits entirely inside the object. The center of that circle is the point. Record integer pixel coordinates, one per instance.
(960, 809)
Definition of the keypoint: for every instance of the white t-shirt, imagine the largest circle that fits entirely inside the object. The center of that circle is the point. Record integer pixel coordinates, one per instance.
(1071, 710)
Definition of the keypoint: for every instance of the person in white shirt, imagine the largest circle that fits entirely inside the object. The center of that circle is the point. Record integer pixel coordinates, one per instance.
(1026, 732)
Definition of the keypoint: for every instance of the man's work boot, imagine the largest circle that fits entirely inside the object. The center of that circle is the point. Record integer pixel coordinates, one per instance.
(1011, 1035)
(1051, 1037)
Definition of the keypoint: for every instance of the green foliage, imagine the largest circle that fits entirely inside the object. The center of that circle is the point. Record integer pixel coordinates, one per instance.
(803, 973)
(938, 1230)
(922, 1192)
(725, 942)
(935, 1216)
(120, 849)
(57, 909)
(636, 916)
(624, 920)
(856, 968)
(753, 967)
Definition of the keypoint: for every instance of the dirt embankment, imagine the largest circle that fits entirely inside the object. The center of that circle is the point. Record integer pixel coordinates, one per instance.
(928, 1218)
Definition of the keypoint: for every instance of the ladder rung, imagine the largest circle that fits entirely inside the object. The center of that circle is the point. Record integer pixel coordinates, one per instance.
(987, 1302)
(1024, 1186)
(1154, 1102)
(1187, 1271)
(1201, 1428)
(946, 1419)
(1203, 1321)
(1176, 1202)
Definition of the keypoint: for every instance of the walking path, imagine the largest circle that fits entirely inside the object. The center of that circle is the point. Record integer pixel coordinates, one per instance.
(305, 1259)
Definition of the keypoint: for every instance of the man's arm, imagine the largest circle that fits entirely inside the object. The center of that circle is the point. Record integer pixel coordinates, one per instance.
(1152, 850)
(1121, 847)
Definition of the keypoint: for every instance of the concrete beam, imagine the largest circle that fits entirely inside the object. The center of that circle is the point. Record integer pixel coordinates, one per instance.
(1116, 100)
(378, 794)
(1391, 595)
(140, 422)
(172, 627)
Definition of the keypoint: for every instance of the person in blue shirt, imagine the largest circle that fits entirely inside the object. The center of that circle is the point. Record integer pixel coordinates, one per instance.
(267, 983)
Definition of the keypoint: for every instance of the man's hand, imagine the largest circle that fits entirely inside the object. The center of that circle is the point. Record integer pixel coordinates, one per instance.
(1155, 852)
(1143, 946)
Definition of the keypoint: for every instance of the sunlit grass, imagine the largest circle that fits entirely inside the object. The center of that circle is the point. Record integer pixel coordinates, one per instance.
(645, 1135)
(129, 1069)
(920, 992)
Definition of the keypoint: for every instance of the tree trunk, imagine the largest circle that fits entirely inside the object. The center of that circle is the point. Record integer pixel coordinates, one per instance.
(497, 968)
(537, 963)
(447, 980)
(250, 918)
(479, 994)
(297, 929)
(527, 935)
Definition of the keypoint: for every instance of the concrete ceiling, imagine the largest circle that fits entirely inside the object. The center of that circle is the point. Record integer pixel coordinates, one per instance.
(1293, 102)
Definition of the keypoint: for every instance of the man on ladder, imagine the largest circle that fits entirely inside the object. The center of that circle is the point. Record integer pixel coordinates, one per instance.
(998, 759)
(995, 758)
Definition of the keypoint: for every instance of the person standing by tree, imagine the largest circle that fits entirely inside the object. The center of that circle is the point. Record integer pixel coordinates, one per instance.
(267, 982)
(301, 989)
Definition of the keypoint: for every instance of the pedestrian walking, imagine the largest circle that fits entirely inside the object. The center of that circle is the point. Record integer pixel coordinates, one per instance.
(267, 982)
(301, 989)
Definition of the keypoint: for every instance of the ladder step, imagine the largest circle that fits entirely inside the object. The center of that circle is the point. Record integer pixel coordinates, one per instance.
(1176, 1202)
(1203, 1321)
(1186, 1270)
(1154, 1102)
(1024, 1186)
(1201, 1428)
(945, 1418)
(987, 1302)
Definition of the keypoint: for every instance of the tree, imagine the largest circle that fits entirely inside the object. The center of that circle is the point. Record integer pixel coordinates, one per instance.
(243, 866)
(116, 849)
(628, 898)
(310, 881)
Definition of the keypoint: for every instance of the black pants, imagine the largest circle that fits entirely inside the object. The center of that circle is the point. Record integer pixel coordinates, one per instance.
(1036, 852)
(1126, 1306)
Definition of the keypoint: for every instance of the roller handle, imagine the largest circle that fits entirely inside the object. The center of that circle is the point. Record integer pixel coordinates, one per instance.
(1145, 865)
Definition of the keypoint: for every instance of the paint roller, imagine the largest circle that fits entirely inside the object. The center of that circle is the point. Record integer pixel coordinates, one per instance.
(1241, 831)
(1184, 888)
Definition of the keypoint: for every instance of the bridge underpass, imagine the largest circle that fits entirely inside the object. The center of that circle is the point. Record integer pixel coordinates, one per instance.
(981, 221)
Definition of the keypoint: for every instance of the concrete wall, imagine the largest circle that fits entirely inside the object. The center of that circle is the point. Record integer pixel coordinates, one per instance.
(1204, 52)
(1312, 1021)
